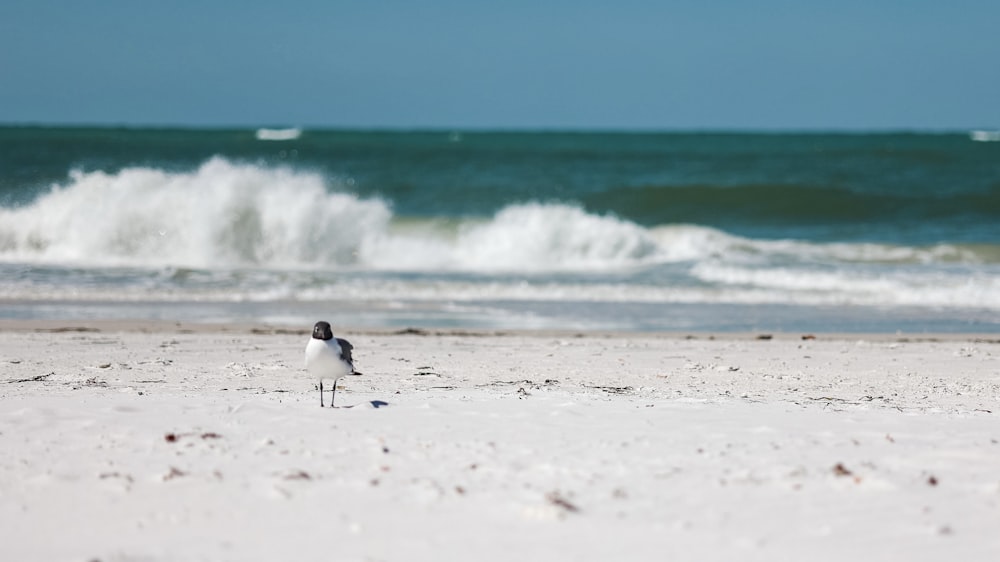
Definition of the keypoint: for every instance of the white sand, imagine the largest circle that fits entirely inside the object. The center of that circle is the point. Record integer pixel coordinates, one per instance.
(497, 447)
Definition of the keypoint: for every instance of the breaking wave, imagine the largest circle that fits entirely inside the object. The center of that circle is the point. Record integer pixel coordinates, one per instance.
(226, 215)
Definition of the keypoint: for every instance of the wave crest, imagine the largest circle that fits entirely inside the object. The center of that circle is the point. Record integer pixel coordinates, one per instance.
(221, 214)
(241, 215)
(525, 237)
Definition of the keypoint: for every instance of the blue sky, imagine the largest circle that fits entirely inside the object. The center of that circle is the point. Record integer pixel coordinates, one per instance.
(627, 64)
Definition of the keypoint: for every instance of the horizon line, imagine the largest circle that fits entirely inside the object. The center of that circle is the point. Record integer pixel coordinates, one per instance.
(495, 129)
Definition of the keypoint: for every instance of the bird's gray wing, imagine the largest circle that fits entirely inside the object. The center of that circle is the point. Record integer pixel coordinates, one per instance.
(345, 350)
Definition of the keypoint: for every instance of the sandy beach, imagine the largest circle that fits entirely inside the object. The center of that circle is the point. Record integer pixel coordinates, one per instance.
(160, 441)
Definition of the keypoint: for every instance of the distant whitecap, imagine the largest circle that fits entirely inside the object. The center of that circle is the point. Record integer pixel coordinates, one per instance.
(985, 136)
(278, 134)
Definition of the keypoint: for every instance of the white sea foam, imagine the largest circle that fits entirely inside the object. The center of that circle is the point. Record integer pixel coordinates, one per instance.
(720, 285)
(985, 136)
(232, 215)
(278, 134)
(220, 215)
(526, 237)
(801, 285)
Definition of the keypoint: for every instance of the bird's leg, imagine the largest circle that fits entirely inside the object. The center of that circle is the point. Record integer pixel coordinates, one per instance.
(320, 394)
(333, 394)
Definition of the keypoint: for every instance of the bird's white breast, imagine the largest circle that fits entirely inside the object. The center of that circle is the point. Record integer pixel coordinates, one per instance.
(323, 359)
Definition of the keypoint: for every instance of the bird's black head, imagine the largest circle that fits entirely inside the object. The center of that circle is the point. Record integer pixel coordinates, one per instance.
(322, 331)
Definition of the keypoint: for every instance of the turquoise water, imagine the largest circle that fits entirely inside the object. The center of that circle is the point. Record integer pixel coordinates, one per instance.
(627, 231)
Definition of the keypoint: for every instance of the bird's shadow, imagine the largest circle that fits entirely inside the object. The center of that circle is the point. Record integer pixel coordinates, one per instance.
(374, 403)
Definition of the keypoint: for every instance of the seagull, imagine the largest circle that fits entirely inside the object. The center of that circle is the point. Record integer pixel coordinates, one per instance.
(328, 357)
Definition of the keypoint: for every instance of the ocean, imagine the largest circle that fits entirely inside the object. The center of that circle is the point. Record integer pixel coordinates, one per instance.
(629, 231)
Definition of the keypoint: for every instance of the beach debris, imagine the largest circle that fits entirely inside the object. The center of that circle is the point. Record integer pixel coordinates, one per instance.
(93, 381)
(106, 475)
(765, 337)
(510, 383)
(556, 499)
(37, 378)
(932, 481)
(889, 438)
(826, 399)
(63, 329)
(807, 337)
(460, 490)
(157, 361)
(255, 389)
(410, 332)
(523, 385)
(841, 470)
(297, 475)
(174, 473)
(242, 369)
(104, 366)
(614, 389)
(268, 331)
(174, 437)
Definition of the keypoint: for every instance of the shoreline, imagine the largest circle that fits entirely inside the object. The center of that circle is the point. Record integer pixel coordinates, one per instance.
(264, 328)
(517, 315)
